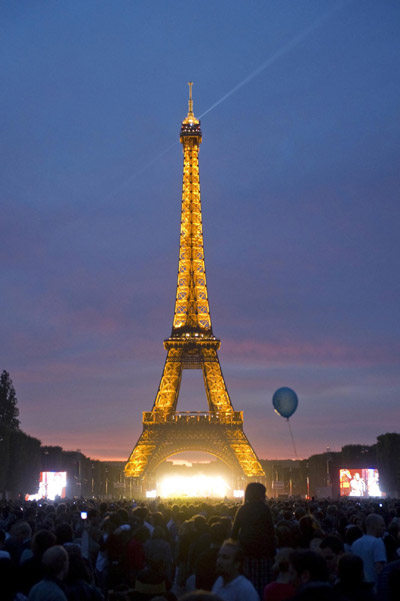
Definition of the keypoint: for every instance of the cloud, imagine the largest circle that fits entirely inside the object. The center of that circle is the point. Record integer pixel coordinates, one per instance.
(294, 352)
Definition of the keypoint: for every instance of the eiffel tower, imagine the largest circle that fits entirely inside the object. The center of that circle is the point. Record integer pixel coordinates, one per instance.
(192, 345)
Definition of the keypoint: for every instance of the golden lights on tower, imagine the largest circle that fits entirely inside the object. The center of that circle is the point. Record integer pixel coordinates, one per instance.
(192, 345)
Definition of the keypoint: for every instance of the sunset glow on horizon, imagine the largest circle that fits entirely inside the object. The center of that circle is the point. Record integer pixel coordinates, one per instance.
(299, 185)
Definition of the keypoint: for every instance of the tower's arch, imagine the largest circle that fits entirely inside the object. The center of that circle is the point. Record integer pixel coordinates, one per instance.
(181, 446)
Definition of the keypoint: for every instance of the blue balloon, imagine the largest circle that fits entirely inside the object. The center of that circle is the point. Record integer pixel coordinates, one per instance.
(285, 402)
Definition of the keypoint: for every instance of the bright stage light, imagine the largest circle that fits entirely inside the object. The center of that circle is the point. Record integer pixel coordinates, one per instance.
(51, 485)
(151, 494)
(238, 494)
(193, 486)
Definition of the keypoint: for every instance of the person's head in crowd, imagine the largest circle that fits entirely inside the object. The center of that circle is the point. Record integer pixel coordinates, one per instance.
(103, 508)
(115, 520)
(8, 579)
(158, 555)
(350, 570)
(316, 540)
(187, 528)
(374, 525)
(61, 508)
(93, 517)
(199, 596)
(123, 515)
(181, 517)
(15, 516)
(318, 515)
(49, 508)
(227, 524)
(149, 583)
(64, 534)
(140, 513)
(157, 519)
(352, 533)
(255, 492)
(167, 514)
(41, 541)
(357, 520)
(141, 534)
(62, 518)
(200, 523)
(47, 524)
(307, 524)
(55, 562)
(331, 549)
(307, 566)
(391, 545)
(299, 512)
(217, 534)
(331, 511)
(284, 536)
(213, 519)
(107, 525)
(280, 567)
(393, 528)
(21, 531)
(2, 538)
(158, 533)
(30, 516)
(78, 568)
(229, 560)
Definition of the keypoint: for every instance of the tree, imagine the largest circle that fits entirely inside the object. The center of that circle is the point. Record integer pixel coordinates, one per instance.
(358, 455)
(388, 453)
(8, 402)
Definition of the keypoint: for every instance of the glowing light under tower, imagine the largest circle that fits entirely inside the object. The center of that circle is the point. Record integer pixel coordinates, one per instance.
(193, 486)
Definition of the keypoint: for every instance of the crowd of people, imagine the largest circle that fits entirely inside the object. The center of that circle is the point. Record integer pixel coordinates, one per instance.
(260, 550)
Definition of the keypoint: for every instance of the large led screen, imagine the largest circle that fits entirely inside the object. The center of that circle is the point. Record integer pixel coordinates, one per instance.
(52, 485)
(359, 483)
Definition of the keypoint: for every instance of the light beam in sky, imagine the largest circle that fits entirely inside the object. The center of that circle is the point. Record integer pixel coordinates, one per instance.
(270, 61)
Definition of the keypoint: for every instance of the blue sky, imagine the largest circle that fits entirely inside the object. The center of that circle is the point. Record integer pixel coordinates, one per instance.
(299, 171)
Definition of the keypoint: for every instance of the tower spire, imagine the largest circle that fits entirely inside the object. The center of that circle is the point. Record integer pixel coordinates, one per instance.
(190, 84)
(190, 119)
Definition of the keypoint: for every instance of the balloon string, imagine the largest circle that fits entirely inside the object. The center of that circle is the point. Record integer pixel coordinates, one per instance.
(291, 434)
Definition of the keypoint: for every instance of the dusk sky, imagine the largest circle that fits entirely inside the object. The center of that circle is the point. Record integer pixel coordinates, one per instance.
(299, 103)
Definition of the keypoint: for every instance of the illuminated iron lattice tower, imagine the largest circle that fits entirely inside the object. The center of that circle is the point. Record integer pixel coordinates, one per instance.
(192, 345)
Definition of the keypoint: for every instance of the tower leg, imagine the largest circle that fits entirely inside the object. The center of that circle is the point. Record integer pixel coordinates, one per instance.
(168, 390)
(216, 391)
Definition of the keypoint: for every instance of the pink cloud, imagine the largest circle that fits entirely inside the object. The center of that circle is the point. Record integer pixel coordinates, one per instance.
(302, 353)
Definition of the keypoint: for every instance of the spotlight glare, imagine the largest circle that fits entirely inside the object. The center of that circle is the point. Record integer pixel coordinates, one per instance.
(193, 486)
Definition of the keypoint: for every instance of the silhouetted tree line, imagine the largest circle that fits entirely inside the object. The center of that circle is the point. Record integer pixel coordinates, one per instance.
(320, 473)
(22, 458)
(86, 477)
(19, 461)
(19, 453)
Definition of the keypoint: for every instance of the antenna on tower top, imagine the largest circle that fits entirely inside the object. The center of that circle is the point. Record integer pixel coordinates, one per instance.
(190, 120)
(190, 84)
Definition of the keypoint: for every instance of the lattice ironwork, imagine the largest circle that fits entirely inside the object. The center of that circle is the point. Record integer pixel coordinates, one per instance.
(192, 345)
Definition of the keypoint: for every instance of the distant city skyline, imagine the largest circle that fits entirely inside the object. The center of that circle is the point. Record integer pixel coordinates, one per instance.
(299, 184)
